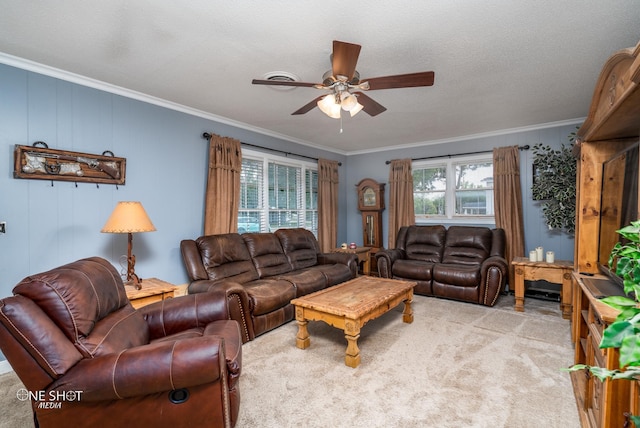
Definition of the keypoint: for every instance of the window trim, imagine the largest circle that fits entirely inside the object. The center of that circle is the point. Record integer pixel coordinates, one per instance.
(450, 194)
(266, 158)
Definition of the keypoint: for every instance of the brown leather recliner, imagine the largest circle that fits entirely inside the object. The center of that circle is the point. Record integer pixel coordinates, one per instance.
(87, 358)
(463, 262)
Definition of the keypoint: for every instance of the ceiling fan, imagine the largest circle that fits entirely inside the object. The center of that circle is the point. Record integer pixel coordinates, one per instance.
(345, 86)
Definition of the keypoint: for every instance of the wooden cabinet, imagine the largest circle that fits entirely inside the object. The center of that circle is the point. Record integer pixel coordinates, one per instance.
(600, 404)
(613, 125)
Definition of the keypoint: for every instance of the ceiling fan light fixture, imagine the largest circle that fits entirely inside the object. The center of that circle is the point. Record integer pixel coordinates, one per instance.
(348, 101)
(356, 109)
(329, 106)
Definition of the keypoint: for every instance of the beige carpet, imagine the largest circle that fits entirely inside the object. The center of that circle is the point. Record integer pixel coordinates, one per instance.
(457, 365)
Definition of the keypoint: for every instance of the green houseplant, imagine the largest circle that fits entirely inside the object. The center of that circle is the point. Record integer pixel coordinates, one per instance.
(624, 332)
(554, 185)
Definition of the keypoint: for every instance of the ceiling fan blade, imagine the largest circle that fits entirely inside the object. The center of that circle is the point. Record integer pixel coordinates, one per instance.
(424, 78)
(283, 83)
(308, 107)
(344, 59)
(369, 105)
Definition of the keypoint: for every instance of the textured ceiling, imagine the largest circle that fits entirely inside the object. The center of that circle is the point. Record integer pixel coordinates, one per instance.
(498, 64)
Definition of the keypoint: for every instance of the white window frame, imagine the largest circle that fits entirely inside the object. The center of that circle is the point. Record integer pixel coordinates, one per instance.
(450, 191)
(264, 208)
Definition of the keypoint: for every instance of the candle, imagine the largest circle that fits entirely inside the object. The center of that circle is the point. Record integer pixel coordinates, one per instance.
(533, 256)
(550, 257)
(539, 254)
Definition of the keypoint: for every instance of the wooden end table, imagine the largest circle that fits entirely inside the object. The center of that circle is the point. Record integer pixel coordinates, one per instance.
(153, 290)
(349, 306)
(558, 272)
(363, 254)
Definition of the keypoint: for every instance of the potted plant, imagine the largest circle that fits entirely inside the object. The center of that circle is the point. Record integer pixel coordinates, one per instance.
(624, 332)
(554, 184)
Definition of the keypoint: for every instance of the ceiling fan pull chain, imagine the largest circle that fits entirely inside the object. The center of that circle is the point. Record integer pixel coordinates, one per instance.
(341, 124)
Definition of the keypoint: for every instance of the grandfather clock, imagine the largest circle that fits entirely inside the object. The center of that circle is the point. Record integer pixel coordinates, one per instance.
(371, 205)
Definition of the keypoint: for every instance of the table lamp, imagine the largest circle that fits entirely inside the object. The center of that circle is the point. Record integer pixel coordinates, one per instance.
(129, 217)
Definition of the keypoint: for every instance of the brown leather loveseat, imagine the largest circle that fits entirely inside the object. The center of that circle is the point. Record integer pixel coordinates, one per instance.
(463, 262)
(89, 359)
(273, 268)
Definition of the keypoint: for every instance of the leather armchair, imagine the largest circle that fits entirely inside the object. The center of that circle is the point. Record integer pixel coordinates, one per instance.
(88, 358)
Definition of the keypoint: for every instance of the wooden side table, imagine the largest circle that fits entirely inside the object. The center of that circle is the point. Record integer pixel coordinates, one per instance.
(363, 254)
(558, 272)
(153, 290)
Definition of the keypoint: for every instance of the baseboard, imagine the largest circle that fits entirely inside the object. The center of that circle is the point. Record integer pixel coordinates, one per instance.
(5, 367)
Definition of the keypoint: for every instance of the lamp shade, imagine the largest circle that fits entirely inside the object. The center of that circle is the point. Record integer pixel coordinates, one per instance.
(128, 217)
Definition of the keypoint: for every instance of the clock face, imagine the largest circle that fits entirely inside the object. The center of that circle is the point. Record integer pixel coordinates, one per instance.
(369, 197)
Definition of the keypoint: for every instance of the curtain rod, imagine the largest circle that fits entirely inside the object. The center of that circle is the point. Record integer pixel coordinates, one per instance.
(207, 136)
(459, 154)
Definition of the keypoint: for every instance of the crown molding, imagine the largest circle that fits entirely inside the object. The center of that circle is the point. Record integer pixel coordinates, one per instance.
(476, 136)
(67, 76)
(46, 70)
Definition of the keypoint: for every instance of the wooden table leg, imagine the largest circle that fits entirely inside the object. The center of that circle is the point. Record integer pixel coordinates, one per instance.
(352, 333)
(302, 338)
(519, 291)
(366, 264)
(566, 304)
(407, 314)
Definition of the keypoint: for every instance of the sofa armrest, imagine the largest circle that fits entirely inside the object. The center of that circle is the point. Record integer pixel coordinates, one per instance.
(385, 260)
(496, 261)
(494, 273)
(222, 300)
(348, 259)
(147, 369)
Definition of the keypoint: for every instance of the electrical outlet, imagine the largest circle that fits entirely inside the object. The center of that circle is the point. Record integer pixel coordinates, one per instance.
(3, 226)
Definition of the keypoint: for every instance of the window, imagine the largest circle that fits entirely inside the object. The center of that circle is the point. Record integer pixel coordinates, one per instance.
(277, 193)
(453, 189)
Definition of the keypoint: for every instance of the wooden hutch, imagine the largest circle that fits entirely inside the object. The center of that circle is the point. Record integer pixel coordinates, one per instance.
(612, 126)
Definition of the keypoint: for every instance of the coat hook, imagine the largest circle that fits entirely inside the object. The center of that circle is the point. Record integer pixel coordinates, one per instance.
(51, 183)
(97, 186)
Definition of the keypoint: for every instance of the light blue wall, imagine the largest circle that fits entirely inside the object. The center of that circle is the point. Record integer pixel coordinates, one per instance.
(536, 232)
(49, 225)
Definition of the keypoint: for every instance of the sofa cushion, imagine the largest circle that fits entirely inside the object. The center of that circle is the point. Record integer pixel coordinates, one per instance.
(425, 243)
(300, 247)
(226, 256)
(412, 269)
(335, 273)
(120, 330)
(267, 295)
(267, 254)
(459, 274)
(306, 281)
(467, 245)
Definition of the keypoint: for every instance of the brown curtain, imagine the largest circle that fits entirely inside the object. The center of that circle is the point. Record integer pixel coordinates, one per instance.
(508, 201)
(401, 210)
(223, 186)
(327, 204)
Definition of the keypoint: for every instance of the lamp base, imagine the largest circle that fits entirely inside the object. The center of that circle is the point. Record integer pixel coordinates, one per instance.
(134, 281)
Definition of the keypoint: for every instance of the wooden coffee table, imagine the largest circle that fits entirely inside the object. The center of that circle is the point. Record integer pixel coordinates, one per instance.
(349, 306)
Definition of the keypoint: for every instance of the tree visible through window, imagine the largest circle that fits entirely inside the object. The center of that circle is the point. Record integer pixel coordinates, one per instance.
(453, 188)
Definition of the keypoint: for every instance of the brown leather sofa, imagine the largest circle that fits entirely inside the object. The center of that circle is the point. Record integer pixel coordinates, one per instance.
(89, 359)
(273, 269)
(463, 262)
